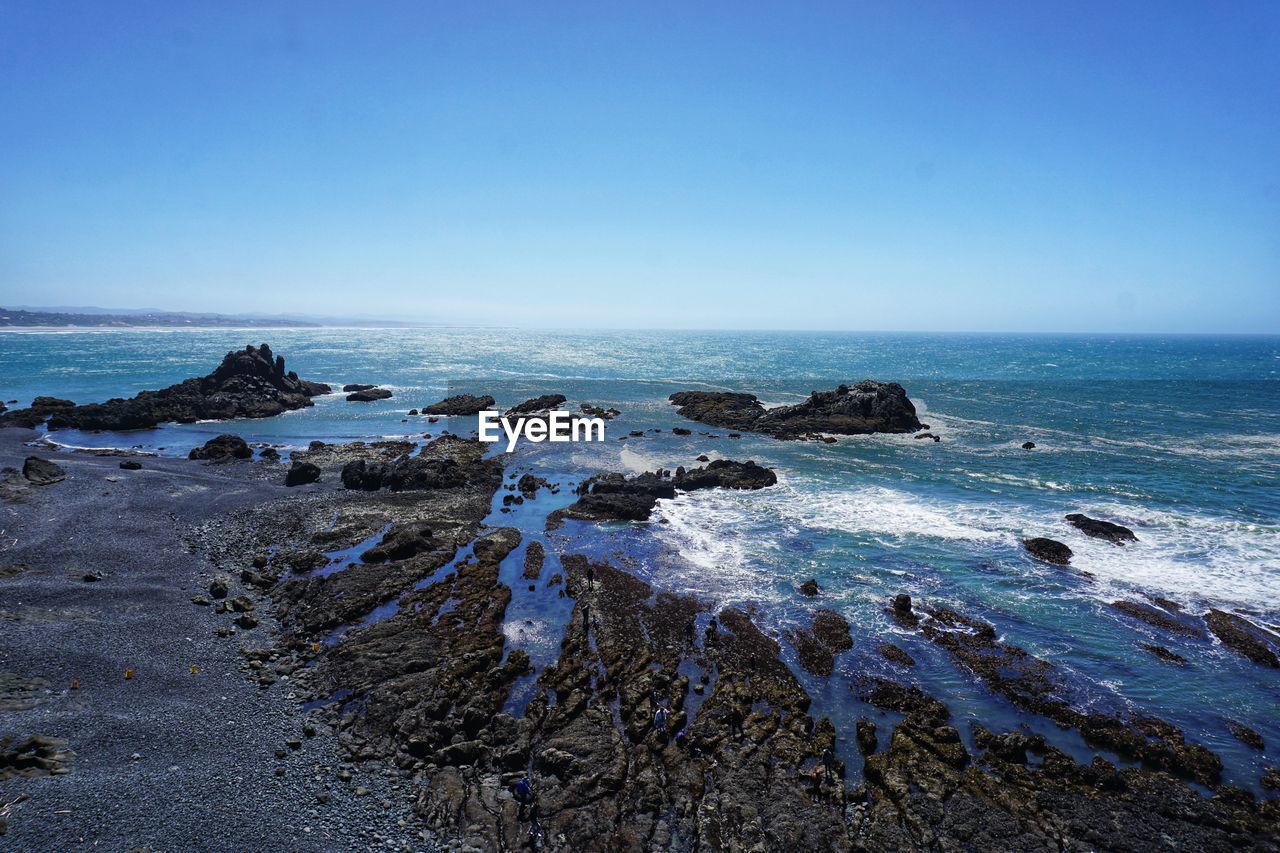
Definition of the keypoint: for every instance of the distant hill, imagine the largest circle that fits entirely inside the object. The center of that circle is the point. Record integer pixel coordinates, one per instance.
(17, 317)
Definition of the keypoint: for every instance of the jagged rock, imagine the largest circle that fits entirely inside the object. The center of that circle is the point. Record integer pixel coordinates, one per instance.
(1257, 644)
(34, 756)
(896, 654)
(401, 542)
(249, 383)
(1048, 550)
(866, 407)
(1028, 445)
(534, 556)
(222, 448)
(528, 485)
(369, 395)
(301, 473)
(809, 588)
(537, 405)
(435, 467)
(1115, 533)
(460, 404)
(356, 386)
(606, 497)
(42, 472)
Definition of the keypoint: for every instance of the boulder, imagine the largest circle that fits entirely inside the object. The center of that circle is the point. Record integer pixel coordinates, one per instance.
(1048, 550)
(545, 403)
(460, 404)
(1115, 533)
(617, 497)
(1028, 445)
(222, 448)
(42, 472)
(301, 473)
(130, 465)
(355, 386)
(369, 395)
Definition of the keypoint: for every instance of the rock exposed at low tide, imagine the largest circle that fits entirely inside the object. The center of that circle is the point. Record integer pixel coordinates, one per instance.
(42, 472)
(222, 448)
(1048, 550)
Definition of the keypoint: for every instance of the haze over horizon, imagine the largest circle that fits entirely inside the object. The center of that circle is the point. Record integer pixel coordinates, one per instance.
(987, 168)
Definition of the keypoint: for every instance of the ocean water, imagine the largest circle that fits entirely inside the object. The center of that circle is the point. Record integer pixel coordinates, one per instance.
(1175, 437)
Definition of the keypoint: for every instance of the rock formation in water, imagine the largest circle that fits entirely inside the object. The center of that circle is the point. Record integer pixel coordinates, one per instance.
(249, 383)
(460, 404)
(615, 497)
(1117, 534)
(866, 407)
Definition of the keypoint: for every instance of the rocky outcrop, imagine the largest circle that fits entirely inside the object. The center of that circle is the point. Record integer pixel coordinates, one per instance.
(42, 472)
(460, 404)
(866, 407)
(249, 383)
(537, 405)
(616, 497)
(1048, 550)
(356, 386)
(818, 645)
(40, 410)
(1117, 534)
(222, 448)
(368, 395)
(1175, 623)
(437, 466)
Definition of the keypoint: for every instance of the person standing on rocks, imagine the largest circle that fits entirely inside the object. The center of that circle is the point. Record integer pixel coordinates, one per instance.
(735, 723)
(828, 762)
(660, 723)
(524, 795)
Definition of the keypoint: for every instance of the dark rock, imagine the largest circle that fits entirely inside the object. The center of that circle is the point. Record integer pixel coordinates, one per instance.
(369, 395)
(222, 448)
(33, 756)
(401, 542)
(896, 654)
(537, 405)
(249, 383)
(1165, 654)
(809, 588)
(130, 465)
(301, 473)
(867, 407)
(460, 404)
(1114, 533)
(1257, 644)
(1174, 623)
(436, 466)
(528, 485)
(1246, 735)
(347, 389)
(866, 737)
(42, 472)
(1048, 550)
(38, 412)
(534, 556)
(606, 497)
(681, 431)
(1028, 445)
(218, 588)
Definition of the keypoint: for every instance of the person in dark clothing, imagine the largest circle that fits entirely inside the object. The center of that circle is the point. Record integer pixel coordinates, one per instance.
(591, 577)
(524, 794)
(828, 762)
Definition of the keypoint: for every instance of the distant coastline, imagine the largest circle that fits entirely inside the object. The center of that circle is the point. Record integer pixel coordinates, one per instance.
(53, 319)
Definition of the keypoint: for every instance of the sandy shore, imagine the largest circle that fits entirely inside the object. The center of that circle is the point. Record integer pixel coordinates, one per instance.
(166, 759)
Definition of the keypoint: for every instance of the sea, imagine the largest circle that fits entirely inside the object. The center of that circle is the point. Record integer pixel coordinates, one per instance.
(1176, 437)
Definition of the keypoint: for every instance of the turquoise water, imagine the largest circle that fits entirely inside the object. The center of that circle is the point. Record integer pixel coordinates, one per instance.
(1178, 438)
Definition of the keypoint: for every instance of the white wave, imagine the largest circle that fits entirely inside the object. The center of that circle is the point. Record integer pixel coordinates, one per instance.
(882, 511)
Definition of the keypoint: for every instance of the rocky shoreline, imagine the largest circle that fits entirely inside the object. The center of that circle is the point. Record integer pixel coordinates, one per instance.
(328, 660)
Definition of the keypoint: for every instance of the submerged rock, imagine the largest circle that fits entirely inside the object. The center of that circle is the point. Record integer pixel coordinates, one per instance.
(1049, 550)
(1256, 643)
(1098, 529)
(249, 383)
(42, 472)
(222, 448)
(866, 407)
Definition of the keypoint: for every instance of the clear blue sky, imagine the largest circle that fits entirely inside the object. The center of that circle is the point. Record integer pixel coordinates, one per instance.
(1036, 166)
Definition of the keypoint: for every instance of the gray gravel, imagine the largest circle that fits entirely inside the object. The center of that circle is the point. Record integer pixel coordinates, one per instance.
(166, 760)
